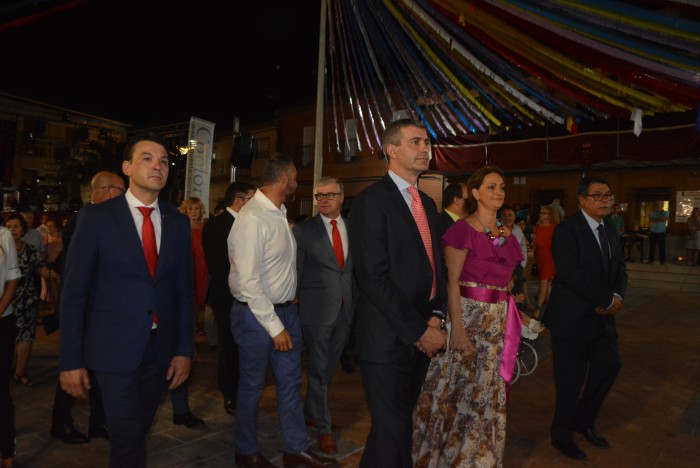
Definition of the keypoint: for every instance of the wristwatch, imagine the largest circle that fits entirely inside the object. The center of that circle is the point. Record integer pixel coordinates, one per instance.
(443, 322)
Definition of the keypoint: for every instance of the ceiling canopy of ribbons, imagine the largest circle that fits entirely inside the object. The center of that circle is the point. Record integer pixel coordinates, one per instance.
(500, 69)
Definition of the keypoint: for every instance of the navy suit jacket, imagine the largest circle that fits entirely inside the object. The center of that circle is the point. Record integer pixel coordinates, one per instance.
(322, 286)
(393, 272)
(581, 282)
(215, 244)
(108, 295)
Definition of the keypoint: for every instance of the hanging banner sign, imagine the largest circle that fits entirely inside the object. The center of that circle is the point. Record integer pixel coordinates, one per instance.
(200, 144)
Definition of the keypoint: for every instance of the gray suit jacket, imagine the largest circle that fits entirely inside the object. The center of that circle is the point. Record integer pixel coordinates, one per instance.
(322, 287)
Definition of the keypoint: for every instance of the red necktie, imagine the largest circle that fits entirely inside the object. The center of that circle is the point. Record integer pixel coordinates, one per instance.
(337, 244)
(424, 229)
(150, 249)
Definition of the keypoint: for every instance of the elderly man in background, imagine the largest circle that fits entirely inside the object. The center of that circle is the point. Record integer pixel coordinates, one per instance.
(326, 293)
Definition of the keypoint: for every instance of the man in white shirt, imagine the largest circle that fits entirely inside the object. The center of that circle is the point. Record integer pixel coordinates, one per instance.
(9, 278)
(264, 320)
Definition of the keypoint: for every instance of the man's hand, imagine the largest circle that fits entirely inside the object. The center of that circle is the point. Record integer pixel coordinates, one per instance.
(178, 371)
(75, 382)
(432, 341)
(283, 341)
(613, 309)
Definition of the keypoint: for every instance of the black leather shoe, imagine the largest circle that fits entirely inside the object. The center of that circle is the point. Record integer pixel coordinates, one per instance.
(230, 407)
(568, 448)
(257, 460)
(593, 437)
(307, 458)
(189, 420)
(69, 435)
(99, 430)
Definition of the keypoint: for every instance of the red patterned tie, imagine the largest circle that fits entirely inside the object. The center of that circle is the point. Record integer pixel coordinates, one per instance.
(424, 229)
(337, 244)
(150, 249)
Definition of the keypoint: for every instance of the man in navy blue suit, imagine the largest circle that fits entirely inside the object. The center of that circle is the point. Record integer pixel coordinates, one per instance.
(125, 319)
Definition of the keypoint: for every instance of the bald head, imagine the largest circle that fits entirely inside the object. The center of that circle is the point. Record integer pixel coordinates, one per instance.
(105, 185)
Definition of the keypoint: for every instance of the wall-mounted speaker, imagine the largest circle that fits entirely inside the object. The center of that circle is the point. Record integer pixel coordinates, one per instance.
(243, 151)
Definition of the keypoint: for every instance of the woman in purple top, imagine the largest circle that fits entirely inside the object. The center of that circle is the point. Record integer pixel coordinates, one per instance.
(460, 418)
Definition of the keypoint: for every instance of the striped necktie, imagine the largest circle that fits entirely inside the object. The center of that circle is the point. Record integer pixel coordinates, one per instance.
(424, 229)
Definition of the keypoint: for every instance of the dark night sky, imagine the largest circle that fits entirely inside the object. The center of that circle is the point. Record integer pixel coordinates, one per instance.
(154, 62)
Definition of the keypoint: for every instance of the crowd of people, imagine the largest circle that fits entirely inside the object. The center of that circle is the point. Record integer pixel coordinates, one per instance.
(428, 296)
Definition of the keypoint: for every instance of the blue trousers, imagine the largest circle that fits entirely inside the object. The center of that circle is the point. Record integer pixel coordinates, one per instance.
(256, 352)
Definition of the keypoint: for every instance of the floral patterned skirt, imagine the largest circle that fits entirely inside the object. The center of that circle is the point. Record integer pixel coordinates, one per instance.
(460, 417)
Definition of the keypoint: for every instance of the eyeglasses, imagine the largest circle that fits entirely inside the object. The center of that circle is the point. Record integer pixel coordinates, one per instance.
(326, 196)
(110, 187)
(244, 198)
(600, 196)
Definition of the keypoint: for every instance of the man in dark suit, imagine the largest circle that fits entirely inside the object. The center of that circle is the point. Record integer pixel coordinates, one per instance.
(587, 292)
(402, 295)
(453, 208)
(326, 293)
(214, 241)
(104, 185)
(126, 310)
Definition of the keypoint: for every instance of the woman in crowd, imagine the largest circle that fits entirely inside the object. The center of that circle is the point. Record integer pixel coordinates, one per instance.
(194, 209)
(692, 245)
(542, 240)
(26, 301)
(54, 245)
(9, 278)
(460, 417)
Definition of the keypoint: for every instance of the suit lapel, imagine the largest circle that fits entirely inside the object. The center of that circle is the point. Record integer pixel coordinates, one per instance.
(592, 245)
(322, 235)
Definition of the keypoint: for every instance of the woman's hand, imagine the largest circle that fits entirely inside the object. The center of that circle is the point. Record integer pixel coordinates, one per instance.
(460, 341)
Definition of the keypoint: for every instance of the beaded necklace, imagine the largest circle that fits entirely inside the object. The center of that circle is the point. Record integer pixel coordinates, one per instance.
(497, 241)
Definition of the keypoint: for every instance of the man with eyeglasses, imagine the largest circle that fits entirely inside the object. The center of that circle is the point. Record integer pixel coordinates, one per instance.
(326, 293)
(657, 231)
(214, 241)
(587, 293)
(453, 207)
(103, 186)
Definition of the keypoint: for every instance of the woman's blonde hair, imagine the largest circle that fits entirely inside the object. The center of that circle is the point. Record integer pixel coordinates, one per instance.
(191, 201)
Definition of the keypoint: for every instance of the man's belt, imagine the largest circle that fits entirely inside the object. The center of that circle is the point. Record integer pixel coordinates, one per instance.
(282, 304)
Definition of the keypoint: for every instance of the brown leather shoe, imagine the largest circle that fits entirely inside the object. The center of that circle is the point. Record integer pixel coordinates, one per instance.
(326, 443)
(307, 458)
(257, 460)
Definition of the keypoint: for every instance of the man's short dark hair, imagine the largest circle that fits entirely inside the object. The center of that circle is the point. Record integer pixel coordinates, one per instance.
(237, 188)
(451, 191)
(128, 153)
(585, 183)
(274, 167)
(392, 134)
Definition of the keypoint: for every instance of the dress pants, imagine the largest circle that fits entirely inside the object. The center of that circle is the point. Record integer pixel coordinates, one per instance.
(180, 399)
(257, 351)
(598, 357)
(324, 345)
(392, 392)
(8, 334)
(660, 239)
(63, 406)
(227, 370)
(131, 400)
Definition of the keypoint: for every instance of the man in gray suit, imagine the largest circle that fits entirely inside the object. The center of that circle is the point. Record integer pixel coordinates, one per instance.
(326, 293)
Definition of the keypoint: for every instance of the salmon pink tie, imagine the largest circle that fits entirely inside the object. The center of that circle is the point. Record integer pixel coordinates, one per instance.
(424, 229)
(150, 249)
(337, 244)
